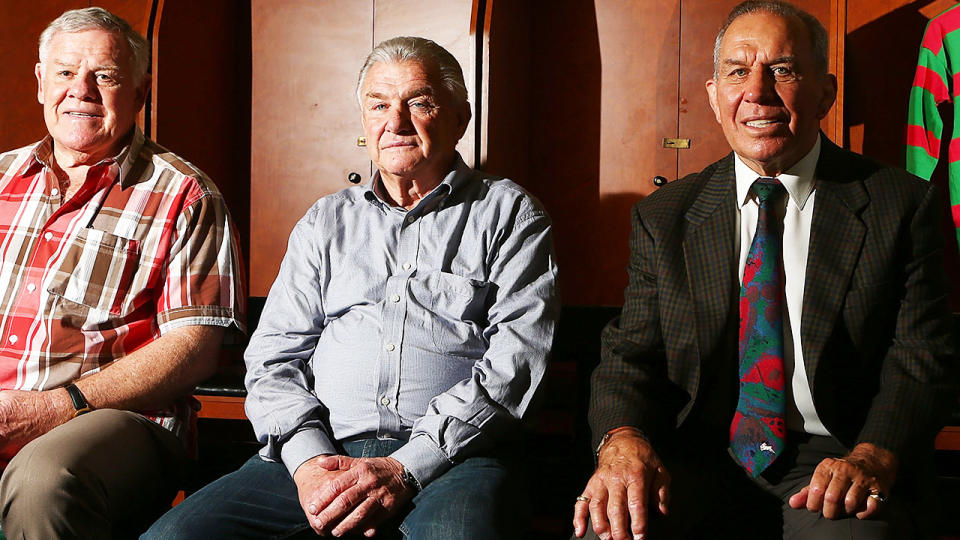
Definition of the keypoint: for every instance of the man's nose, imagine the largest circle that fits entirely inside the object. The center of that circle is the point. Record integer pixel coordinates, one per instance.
(83, 87)
(760, 85)
(399, 119)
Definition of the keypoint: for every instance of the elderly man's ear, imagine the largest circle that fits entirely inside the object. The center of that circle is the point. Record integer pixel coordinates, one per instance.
(463, 118)
(143, 91)
(829, 95)
(39, 74)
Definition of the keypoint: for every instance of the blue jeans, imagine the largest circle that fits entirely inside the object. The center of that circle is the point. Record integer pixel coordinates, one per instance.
(478, 498)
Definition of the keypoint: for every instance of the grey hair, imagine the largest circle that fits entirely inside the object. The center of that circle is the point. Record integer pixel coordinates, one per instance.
(95, 18)
(406, 48)
(816, 31)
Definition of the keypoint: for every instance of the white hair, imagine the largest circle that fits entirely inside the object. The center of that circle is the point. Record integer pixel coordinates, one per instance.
(425, 51)
(95, 18)
(818, 34)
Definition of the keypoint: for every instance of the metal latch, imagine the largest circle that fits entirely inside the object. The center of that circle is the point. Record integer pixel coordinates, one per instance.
(676, 143)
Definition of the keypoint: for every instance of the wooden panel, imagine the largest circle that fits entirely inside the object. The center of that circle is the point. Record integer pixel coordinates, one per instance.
(506, 131)
(201, 93)
(305, 120)
(697, 122)
(223, 407)
(948, 438)
(448, 23)
(602, 92)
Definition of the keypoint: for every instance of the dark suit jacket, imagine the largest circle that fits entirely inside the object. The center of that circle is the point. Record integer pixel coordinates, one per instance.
(875, 325)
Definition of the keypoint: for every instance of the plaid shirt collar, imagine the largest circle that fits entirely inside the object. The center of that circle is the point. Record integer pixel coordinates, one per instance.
(42, 156)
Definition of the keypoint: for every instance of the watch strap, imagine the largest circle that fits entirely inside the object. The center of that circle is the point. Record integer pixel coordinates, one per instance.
(410, 480)
(80, 404)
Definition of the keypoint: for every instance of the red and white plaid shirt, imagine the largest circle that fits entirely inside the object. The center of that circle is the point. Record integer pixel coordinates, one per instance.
(144, 246)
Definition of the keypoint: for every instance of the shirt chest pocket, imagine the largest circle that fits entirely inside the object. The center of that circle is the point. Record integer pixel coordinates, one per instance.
(457, 313)
(96, 271)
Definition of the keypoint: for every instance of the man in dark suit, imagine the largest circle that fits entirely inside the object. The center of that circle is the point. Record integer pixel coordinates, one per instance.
(807, 407)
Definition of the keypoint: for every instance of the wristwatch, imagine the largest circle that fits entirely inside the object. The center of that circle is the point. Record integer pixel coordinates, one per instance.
(410, 480)
(79, 402)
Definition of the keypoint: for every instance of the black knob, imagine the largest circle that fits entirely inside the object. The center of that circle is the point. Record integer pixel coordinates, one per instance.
(659, 181)
(354, 178)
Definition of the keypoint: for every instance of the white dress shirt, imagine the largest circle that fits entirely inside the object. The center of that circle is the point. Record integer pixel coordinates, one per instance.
(797, 210)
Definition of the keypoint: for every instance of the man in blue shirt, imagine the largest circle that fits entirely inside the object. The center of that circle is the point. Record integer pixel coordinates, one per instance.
(403, 340)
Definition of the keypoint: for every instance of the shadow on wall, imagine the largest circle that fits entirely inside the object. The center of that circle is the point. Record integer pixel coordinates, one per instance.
(880, 62)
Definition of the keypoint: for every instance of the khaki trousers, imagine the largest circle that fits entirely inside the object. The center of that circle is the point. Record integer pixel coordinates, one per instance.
(105, 474)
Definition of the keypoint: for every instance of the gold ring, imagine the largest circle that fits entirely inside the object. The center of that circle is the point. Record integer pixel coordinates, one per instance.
(581, 498)
(877, 495)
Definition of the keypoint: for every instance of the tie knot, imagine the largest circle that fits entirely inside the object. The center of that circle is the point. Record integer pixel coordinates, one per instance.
(766, 188)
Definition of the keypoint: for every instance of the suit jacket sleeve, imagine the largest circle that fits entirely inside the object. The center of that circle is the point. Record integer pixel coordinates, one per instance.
(918, 375)
(630, 386)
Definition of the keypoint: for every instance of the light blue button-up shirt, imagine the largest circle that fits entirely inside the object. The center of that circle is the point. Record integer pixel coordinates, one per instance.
(432, 325)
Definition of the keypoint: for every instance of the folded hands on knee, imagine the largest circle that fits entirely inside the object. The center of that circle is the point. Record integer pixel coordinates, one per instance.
(341, 494)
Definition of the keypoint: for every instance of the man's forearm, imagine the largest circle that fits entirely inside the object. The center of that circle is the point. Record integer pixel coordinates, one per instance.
(158, 373)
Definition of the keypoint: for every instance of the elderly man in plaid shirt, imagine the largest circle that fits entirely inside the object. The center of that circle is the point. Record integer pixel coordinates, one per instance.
(120, 275)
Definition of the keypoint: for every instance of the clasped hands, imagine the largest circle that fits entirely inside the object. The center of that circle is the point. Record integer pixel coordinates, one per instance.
(631, 481)
(341, 494)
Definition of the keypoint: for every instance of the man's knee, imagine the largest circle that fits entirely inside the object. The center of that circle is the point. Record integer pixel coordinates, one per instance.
(90, 473)
(479, 498)
(44, 484)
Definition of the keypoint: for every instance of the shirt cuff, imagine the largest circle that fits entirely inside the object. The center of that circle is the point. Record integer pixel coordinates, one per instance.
(304, 445)
(423, 459)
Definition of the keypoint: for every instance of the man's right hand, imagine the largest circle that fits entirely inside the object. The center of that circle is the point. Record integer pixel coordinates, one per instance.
(630, 480)
(311, 478)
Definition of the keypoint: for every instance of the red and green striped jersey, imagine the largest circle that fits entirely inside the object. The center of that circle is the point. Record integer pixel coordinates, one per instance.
(937, 80)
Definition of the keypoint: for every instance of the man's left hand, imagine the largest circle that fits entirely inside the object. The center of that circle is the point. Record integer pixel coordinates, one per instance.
(365, 493)
(24, 416)
(843, 487)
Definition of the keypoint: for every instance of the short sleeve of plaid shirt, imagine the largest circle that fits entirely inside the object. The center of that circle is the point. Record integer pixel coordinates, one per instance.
(203, 284)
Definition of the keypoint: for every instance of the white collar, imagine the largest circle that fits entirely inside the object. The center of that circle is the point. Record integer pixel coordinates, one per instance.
(798, 179)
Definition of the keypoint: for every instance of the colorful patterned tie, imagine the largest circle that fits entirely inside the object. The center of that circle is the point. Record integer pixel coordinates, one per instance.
(758, 428)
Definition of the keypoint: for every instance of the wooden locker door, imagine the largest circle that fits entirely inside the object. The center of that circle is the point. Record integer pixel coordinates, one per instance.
(602, 94)
(698, 29)
(305, 119)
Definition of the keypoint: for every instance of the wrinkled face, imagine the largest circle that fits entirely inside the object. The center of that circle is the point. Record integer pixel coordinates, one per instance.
(89, 97)
(410, 121)
(767, 94)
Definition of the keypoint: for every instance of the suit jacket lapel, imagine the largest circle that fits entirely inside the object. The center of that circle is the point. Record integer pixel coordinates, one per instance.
(836, 240)
(711, 256)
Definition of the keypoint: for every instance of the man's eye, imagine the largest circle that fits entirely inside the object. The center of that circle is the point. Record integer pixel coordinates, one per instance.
(378, 107)
(64, 73)
(782, 71)
(104, 78)
(739, 72)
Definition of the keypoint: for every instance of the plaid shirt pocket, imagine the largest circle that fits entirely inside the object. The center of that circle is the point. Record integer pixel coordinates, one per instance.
(97, 271)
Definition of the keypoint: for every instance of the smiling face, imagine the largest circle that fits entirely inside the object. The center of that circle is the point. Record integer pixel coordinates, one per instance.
(768, 95)
(410, 121)
(89, 97)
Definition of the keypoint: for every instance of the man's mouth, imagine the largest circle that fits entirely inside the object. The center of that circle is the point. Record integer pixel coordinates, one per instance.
(398, 144)
(77, 114)
(762, 123)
